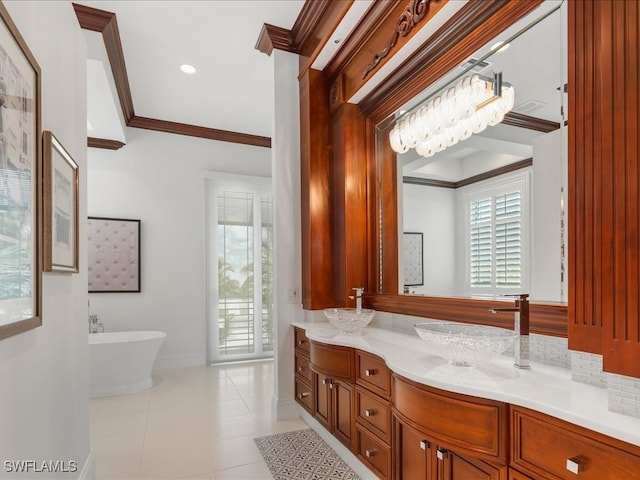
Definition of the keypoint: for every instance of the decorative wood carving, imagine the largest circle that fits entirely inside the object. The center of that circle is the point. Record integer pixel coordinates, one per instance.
(470, 28)
(105, 22)
(414, 12)
(93, 142)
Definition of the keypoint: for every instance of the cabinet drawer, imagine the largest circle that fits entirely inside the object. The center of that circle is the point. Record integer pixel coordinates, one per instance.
(373, 453)
(302, 367)
(304, 395)
(373, 373)
(302, 342)
(332, 361)
(374, 413)
(474, 425)
(552, 448)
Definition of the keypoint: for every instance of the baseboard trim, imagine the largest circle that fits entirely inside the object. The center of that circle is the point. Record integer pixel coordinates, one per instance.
(168, 362)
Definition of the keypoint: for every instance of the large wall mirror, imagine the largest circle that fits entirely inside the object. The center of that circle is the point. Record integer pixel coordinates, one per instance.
(489, 202)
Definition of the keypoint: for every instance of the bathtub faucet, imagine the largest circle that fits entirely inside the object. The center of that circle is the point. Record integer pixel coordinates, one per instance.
(94, 325)
(521, 327)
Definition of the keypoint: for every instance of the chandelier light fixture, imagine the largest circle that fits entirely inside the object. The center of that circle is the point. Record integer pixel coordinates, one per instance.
(469, 107)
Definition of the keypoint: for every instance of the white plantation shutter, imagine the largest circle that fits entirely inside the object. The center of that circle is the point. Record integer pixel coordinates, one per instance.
(480, 213)
(508, 241)
(496, 239)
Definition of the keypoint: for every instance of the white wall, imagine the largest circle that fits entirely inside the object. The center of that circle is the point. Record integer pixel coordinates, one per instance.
(44, 397)
(549, 176)
(287, 225)
(158, 178)
(432, 211)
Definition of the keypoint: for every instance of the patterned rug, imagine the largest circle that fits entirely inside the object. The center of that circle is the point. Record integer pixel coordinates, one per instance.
(302, 455)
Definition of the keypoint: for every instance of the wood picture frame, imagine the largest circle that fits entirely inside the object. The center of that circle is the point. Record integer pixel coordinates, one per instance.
(114, 255)
(60, 207)
(20, 183)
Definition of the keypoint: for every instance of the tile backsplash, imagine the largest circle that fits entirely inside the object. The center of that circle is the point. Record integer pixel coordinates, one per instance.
(624, 394)
(587, 368)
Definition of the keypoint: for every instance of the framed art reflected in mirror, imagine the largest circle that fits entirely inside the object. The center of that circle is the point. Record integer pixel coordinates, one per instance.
(413, 259)
(114, 255)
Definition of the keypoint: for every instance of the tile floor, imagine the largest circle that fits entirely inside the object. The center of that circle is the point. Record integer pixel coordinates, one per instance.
(194, 423)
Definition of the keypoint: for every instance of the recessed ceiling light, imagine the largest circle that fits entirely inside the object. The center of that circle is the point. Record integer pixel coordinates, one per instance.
(188, 69)
(500, 47)
(337, 40)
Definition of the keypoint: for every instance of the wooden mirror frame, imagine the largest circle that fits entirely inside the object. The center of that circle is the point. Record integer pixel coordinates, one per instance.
(468, 30)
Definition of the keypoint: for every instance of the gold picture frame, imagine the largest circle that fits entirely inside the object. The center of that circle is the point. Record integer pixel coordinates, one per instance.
(60, 207)
(20, 183)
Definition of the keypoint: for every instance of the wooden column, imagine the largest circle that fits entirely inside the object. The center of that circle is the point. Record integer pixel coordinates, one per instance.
(350, 202)
(604, 218)
(315, 155)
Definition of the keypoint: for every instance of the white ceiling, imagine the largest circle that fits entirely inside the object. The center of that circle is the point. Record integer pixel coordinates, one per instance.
(233, 87)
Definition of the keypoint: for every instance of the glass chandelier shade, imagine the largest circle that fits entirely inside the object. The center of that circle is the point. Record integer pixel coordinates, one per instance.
(469, 107)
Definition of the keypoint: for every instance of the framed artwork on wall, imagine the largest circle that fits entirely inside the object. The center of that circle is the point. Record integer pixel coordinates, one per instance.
(20, 183)
(60, 202)
(413, 265)
(114, 255)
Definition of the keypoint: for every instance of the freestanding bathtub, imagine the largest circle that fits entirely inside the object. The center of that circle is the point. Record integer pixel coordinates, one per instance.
(121, 362)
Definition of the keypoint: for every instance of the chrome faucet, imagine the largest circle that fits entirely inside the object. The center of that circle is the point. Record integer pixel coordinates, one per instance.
(358, 298)
(521, 327)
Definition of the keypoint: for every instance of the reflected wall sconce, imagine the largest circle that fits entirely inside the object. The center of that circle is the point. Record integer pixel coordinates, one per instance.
(469, 107)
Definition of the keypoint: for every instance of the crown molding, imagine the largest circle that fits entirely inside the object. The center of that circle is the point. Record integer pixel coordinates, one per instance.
(521, 120)
(200, 132)
(275, 37)
(105, 22)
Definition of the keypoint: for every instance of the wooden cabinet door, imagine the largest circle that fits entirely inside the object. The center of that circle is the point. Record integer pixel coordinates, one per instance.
(452, 466)
(412, 455)
(343, 416)
(323, 400)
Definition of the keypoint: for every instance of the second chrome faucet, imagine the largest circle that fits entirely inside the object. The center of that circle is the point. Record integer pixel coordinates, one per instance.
(521, 328)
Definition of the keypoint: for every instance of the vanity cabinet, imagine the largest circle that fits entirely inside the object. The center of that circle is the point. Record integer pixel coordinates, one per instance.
(373, 413)
(421, 457)
(334, 369)
(304, 376)
(546, 447)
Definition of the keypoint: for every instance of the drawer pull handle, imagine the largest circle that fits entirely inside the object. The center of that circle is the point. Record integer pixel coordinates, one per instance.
(424, 444)
(369, 412)
(369, 453)
(301, 342)
(370, 372)
(575, 465)
(303, 395)
(326, 381)
(442, 454)
(302, 369)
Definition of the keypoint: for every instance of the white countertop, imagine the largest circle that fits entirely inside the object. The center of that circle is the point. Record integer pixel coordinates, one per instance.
(544, 388)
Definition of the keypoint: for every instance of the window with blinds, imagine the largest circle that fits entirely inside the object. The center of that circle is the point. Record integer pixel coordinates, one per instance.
(496, 241)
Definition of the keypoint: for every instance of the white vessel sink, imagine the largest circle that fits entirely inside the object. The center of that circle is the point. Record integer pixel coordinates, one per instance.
(350, 321)
(463, 344)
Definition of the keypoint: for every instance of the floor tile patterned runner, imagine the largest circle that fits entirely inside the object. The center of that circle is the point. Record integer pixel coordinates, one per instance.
(302, 455)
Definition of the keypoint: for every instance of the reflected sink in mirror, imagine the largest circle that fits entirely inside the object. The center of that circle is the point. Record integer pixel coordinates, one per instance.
(349, 321)
(465, 345)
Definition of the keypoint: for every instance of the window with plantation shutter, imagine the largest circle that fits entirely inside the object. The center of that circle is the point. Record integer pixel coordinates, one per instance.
(496, 238)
